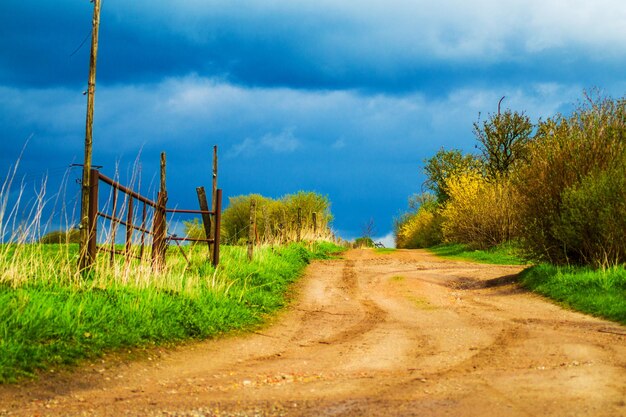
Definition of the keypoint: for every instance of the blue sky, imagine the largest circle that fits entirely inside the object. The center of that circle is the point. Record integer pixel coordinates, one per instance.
(343, 98)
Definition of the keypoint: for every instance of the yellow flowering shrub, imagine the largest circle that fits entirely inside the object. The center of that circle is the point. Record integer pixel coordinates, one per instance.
(419, 230)
(479, 212)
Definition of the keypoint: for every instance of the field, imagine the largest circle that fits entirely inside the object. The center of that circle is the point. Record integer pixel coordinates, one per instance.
(51, 316)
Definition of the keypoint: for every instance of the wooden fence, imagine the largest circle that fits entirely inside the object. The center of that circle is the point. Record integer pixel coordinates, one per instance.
(133, 214)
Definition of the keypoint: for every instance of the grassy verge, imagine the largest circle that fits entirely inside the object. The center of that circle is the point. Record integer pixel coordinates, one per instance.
(505, 254)
(600, 293)
(48, 319)
(385, 250)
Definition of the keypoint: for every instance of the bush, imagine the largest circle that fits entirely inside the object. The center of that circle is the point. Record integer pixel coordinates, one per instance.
(479, 213)
(277, 220)
(572, 189)
(363, 242)
(592, 221)
(61, 236)
(421, 229)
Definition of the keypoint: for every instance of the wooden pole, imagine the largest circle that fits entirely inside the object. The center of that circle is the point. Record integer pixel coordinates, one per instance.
(213, 196)
(160, 226)
(92, 248)
(214, 193)
(162, 188)
(206, 218)
(85, 261)
(162, 207)
(216, 229)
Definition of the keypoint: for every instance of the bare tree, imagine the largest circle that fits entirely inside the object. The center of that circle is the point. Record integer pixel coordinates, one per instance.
(369, 228)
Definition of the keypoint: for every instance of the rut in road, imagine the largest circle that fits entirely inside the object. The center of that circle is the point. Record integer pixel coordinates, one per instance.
(404, 334)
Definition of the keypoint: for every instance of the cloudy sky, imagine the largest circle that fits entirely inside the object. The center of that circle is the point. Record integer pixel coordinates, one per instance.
(346, 98)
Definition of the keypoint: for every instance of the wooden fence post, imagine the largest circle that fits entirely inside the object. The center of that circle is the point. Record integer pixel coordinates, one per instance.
(206, 218)
(251, 229)
(314, 219)
(158, 232)
(159, 243)
(216, 230)
(89, 257)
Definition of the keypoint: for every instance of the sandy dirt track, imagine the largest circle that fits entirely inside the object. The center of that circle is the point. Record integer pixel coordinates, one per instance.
(400, 334)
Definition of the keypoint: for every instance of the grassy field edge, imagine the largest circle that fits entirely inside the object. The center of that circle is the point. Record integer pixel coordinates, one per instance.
(505, 254)
(600, 293)
(48, 324)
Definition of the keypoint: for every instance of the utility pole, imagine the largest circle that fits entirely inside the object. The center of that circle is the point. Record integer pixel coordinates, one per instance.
(86, 227)
(213, 204)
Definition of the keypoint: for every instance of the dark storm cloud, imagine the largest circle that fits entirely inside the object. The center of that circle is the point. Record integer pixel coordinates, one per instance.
(371, 46)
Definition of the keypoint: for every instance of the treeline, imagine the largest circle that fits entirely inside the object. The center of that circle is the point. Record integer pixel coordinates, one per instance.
(557, 188)
(300, 216)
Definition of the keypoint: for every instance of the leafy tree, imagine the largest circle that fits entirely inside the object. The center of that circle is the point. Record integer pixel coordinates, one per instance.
(503, 140)
(446, 164)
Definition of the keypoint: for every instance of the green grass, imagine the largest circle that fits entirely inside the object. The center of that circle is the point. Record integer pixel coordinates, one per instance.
(505, 254)
(600, 293)
(50, 317)
(385, 250)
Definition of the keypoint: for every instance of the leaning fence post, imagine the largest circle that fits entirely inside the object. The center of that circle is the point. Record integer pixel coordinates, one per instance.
(216, 229)
(206, 218)
(251, 229)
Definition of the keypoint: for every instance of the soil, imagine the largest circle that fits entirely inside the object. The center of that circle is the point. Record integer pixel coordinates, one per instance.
(371, 334)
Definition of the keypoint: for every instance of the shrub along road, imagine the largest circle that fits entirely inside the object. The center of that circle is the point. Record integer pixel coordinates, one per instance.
(372, 334)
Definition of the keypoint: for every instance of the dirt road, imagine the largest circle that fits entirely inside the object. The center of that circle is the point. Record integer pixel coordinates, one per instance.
(400, 334)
